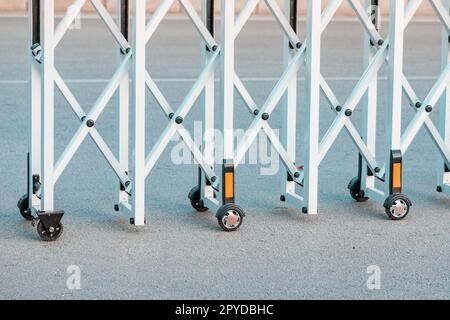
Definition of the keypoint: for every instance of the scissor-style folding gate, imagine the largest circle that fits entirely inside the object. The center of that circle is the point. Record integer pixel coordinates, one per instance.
(295, 54)
(214, 55)
(38, 204)
(439, 93)
(308, 52)
(134, 164)
(392, 51)
(378, 51)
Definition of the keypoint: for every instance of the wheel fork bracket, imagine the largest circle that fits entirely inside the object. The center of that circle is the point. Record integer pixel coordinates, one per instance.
(50, 218)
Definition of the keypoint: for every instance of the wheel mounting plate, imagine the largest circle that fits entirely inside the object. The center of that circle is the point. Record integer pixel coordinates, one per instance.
(51, 219)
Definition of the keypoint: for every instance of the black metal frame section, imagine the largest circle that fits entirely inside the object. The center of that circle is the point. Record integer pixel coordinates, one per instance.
(51, 219)
(28, 172)
(210, 19)
(375, 12)
(293, 18)
(36, 21)
(125, 20)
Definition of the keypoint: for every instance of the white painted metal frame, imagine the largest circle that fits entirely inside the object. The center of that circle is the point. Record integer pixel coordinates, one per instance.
(401, 16)
(207, 101)
(203, 88)
(370, 100)
(377, 52)
(392, 54)
(443, 174)
(44, 80)
(364, 91)
(439, 92)
(307, 52)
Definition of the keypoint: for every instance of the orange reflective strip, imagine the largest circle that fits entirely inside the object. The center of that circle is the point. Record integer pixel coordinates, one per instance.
(229, 185)
(397, 175)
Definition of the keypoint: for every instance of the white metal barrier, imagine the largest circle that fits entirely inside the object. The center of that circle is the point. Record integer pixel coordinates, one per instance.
(397, 205)
(38, 204)
(439, 93)
(295, 53)
(377, 52)
(134, 164)
(309, 52)
(205, 195)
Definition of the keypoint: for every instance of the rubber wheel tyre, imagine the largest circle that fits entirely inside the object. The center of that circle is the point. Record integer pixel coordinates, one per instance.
(47, 235)
(196, 203)
(355, 190)
(230, 217)
(397, 206)
(23, 207)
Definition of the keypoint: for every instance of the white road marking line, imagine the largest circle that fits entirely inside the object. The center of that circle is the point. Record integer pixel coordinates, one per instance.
(262, 17)
(181, 80)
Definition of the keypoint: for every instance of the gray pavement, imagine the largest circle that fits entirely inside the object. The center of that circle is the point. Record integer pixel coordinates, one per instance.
(279, 253)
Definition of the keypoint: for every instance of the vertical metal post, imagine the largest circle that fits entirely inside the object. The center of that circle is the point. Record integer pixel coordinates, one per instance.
(207, 104)
(47, 98)
(122, 17)
(139, 68)
(394, 106)
(312, 106)
(34, 158)
(289, 112)
(369, 125)
(227, 99)
(443, 172)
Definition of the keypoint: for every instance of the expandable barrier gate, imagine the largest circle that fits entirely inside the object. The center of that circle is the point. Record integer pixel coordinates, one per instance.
(214, 191)
(43, 170)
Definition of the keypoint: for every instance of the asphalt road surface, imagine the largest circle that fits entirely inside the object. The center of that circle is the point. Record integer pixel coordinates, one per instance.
(279, 253)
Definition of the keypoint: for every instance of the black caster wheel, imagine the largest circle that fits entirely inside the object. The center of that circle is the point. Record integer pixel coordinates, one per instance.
(196, 203)
(397, 206)
(355, 190)
(230, 217)
(49, 235)
(23, 207)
